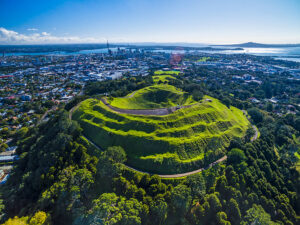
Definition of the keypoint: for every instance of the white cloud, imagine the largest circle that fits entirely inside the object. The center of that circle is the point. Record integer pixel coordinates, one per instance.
(13, 37)
(45, 33)
(32, 29)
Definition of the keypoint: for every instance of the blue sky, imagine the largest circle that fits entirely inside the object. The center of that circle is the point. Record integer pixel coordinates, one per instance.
(194, 21)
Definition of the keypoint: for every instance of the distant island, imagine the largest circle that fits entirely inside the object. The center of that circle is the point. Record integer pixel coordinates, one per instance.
(258, 45)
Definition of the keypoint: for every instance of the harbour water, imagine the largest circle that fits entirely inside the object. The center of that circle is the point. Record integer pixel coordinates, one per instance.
(288, 53)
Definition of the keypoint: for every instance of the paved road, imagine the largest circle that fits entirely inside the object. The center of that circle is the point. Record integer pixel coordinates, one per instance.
(72, 110)
(256, 133)
(195, 171)
(255, 136)
(7, 153)
(46, 113)
(6, 167)
(76, 106)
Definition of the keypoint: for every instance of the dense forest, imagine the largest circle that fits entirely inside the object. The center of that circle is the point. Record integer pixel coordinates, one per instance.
(62, 179)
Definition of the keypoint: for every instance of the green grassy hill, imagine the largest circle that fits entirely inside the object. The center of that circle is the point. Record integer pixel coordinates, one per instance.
(170, 72)
(152, 97)
(162, 144)
(162, 78)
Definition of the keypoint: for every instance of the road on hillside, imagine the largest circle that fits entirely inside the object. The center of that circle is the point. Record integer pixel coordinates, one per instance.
(46, 113)
(165, 175)
(256, 133)
(72, 110)
(6, 167)
(255, 136)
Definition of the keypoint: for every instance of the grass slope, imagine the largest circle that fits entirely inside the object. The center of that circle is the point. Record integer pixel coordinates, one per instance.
(156, 96)
(174, 143)
(162, 78)
(203, 59)
(170, 72)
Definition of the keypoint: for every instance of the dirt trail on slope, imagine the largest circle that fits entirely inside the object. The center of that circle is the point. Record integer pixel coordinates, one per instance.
(131, 95)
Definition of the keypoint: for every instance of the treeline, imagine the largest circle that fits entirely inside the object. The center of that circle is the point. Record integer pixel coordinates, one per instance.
(62, 179)
(53, 173)
(118, 88)
(61, 174)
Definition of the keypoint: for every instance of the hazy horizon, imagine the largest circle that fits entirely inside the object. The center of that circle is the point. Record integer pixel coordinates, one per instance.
(179, 44)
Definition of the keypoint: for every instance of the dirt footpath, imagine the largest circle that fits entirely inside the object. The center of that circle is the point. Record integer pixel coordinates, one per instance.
(146, 112)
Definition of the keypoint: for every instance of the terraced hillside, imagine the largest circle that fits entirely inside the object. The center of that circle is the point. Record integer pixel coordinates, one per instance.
(173, 143)
(153, 97)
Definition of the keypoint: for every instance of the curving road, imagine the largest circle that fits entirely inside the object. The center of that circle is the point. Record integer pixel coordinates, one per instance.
(163, 175)
(255, 136)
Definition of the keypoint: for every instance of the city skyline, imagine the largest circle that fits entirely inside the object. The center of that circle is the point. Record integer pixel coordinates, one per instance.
(132, 21)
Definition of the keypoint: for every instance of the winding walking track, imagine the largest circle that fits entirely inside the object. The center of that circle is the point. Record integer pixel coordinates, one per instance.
(146, 112)
(160, 112)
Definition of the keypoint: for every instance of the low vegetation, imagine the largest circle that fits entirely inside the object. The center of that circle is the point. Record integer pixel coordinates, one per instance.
(152, 97)
(169, 72)
(62, 179)
(158, 79)
(187, 139)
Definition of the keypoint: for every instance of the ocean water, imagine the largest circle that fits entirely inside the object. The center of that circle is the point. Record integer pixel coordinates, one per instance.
(292, 51)
(101, 50)
(290, 54)
(289, 59)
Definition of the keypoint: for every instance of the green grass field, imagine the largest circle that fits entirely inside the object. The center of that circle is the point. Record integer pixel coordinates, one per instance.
(162, 78)
(203, 59)
(174, 143)
(156, 96)
(170, 72)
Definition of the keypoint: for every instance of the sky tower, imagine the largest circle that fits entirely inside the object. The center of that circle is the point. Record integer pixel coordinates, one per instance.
(108, 50)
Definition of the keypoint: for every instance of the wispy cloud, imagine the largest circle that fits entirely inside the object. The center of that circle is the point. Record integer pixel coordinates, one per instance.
(32, 29)
(13, 37)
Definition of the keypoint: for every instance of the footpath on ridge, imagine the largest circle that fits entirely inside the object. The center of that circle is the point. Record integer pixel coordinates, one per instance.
(146, 112)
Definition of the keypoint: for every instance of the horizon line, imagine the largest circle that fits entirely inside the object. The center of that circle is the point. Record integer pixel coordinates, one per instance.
(149, 42)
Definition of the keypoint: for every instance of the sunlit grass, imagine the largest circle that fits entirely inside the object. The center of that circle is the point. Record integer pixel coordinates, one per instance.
(156, 96)
(163, 143)
(203, 59)
(162, 78)
(170, 72)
